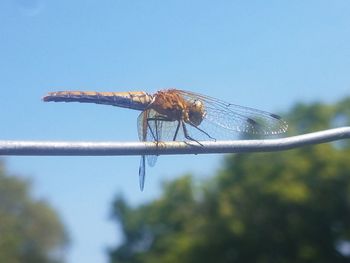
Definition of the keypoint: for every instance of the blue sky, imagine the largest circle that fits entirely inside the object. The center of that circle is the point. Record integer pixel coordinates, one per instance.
(263, 54)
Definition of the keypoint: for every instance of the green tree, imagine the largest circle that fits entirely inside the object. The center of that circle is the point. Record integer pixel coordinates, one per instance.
(291, 206)
(30, 230)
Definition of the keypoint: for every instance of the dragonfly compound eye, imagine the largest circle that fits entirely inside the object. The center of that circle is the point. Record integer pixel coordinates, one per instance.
(196, 112)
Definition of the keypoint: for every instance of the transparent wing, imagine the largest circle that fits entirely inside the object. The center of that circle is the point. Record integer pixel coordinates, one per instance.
(142, 172)
(166, 130)
(222, 117)
(153, 126)
(147, 131)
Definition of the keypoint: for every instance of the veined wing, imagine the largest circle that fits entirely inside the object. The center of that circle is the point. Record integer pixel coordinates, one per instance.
(156, 127)
(235, 118)
(142, 172)
(142, 127)
(147, 132)
(153, 128)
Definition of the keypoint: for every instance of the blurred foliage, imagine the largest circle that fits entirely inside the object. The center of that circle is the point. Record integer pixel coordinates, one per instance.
(285, 207)
(30, 230)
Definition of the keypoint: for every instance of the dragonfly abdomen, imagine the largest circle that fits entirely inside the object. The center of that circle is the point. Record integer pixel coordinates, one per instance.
(137, 100)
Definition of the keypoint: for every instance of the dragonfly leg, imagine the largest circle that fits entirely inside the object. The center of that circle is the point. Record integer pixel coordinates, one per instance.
(155, 133)
(162, 118)
(177, 130)
(187, 136)
(150, 128)
(202, 131)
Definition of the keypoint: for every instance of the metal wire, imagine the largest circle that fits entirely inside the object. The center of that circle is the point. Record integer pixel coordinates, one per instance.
(42, 148)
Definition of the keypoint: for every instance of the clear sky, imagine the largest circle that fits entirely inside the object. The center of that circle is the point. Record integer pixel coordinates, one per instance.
(264, 54)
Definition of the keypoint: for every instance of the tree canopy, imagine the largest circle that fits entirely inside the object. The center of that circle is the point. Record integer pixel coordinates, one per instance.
(291, 206)
(30, 230)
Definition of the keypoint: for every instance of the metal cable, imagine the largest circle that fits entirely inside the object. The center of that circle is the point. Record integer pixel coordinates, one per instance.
(49, 148)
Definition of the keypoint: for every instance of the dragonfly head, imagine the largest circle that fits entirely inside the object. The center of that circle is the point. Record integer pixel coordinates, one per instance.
(195, 112)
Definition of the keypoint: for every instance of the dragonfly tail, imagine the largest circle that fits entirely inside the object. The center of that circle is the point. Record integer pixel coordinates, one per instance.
(137, 100)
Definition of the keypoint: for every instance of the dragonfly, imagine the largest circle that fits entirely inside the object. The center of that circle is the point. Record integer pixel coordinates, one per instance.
(173, 114)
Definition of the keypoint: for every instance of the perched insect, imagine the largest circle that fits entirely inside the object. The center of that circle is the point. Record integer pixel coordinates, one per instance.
(180, 115)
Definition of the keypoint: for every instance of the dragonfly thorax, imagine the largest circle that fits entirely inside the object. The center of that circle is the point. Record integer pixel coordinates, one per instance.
(175, 107)
(169, 104)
